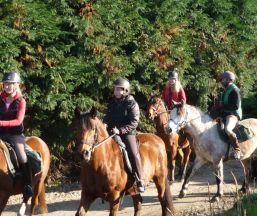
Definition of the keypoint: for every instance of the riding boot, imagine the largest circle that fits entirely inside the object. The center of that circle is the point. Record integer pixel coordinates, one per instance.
(234, 142)
(138, 175)
(27, 176)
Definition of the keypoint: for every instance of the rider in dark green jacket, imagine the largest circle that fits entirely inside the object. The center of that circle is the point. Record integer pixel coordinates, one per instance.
(230, 108)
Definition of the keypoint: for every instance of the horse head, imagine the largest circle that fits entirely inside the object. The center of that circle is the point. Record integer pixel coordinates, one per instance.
(155, 107)
(86, 132)
(178, 117)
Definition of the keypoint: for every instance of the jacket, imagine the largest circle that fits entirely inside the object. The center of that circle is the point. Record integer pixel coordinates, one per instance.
(124, 114)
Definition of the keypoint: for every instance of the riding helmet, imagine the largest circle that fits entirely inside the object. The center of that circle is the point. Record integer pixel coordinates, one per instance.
(173, 74)
(229, 76)
(122, 83)
(11, 77)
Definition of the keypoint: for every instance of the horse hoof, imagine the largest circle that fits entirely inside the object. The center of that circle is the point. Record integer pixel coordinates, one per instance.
(243, 191)
(214, 199)
(181, 194)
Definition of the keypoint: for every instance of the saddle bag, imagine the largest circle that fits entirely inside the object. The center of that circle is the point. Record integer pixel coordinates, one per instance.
(243, 133)
(35, 161)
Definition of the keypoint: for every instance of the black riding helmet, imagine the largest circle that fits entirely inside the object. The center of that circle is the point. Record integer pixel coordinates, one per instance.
(11, 77)
(229, 76)
(173, 74)
(122, 83)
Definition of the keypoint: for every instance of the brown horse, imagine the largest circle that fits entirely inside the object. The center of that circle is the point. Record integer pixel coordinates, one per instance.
(10, 186)
(103, 173)
(175, 144)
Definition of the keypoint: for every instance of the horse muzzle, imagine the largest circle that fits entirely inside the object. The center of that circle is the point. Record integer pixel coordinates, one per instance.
(87, 155)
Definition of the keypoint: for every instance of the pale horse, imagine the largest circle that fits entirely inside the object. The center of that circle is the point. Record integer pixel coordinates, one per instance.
(209, 146)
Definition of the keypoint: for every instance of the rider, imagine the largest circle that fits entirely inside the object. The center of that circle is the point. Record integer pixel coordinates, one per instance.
(230, 108)
(173, 90)
(122, 119)
(12, 112)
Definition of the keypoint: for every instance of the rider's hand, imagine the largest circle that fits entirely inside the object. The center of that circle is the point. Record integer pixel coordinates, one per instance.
(115, 130)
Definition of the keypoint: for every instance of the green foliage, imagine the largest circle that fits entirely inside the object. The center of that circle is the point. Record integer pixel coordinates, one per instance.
(246, 206)
(69, 52)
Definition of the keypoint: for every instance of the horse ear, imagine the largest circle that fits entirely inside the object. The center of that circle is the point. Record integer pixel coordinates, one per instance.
(77, 112)
(93, 112)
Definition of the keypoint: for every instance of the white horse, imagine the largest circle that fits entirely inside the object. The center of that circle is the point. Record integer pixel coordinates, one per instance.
(209, 146)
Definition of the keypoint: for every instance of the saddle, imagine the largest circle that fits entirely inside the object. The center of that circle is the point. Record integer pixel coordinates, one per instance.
(34, 158)
(242, 132)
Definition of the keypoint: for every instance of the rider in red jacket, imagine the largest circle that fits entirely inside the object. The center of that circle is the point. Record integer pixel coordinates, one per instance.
(12, 112)
(173, 90)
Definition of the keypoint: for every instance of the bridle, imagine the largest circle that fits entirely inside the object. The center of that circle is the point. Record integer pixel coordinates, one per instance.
(156, 107)
(95, 144)
(185, 121)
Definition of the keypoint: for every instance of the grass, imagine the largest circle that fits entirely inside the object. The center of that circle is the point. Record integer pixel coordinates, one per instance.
(246, 206)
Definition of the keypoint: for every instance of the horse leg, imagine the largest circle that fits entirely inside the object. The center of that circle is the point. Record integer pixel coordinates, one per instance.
(218, 170)
(164, 195)
(246, 168)
(39, 198)
(23, 207)
(182, 165)
(3, 200)
(170, 166)
(190, 172)
(185, 161)
(137, 201)
(115, 204)
(85, 203)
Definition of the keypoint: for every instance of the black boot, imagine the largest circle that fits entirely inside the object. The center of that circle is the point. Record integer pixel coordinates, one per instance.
(27, 176)
(140, 186)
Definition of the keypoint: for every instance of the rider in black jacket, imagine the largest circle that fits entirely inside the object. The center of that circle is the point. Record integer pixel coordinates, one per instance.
(122, 119)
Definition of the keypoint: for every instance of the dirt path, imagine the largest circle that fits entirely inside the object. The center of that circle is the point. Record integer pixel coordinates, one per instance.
(63, 201)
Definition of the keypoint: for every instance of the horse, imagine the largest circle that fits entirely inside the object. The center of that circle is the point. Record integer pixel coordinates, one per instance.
(175, 144)
(103, 172)
(210, 146)
(12, 186)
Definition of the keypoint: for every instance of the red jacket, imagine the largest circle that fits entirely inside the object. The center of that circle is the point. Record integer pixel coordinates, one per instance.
(168, 96)
(17, 120)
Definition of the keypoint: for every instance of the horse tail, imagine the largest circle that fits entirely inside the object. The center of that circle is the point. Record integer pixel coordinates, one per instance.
(168, 200)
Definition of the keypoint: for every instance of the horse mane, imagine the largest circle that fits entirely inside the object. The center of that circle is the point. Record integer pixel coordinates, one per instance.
(89, 122)
(204, 115)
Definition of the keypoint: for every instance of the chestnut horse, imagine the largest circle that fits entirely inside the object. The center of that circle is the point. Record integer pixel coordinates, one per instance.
(103, 174)
(175, 144)
(10, 186)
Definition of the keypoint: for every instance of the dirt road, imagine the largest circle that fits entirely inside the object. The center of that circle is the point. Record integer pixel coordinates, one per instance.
(64, 200)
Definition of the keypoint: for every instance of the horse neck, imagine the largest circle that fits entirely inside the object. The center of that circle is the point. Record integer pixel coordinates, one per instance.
(162, 119)
(105, 153)
(198, 122)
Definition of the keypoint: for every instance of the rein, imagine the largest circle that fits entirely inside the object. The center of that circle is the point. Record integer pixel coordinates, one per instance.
(94, 146)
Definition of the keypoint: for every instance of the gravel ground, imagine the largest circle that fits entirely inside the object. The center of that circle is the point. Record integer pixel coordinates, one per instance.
(64, 200)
